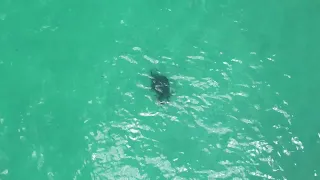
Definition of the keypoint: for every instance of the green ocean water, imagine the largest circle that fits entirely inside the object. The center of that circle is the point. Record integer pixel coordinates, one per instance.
(75, 101)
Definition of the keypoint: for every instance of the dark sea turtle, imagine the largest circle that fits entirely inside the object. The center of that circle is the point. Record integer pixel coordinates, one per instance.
(160, 84)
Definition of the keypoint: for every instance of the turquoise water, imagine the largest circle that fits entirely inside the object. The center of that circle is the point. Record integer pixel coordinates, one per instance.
(75, 103)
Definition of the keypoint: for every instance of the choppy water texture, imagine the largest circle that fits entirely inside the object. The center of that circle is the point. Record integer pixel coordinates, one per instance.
(75, 101)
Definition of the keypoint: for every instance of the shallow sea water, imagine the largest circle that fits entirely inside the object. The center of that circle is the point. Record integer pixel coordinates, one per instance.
(75, 98)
